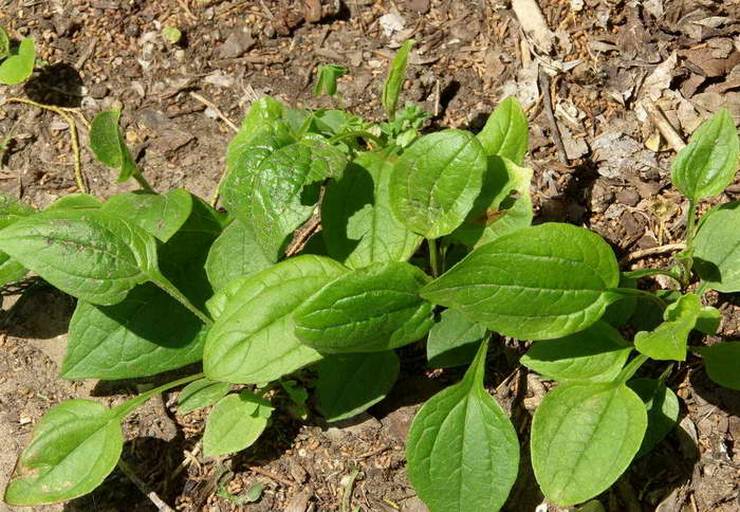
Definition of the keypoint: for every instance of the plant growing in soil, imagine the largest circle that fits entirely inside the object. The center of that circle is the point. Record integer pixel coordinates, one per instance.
(421, 237)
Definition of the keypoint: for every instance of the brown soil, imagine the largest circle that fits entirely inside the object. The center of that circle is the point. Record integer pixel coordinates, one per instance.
(610, 174)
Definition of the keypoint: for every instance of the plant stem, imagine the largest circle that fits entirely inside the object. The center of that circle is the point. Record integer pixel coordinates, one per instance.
(433, 256)
(690, 225)
(166, 285)
(629, 371)
(641, 294)
(128, 406)
(357, 134)
(143, 183)
(647, 272)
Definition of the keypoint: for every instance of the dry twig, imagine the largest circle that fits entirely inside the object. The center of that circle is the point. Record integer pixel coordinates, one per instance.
(216, 110)
(652, 251)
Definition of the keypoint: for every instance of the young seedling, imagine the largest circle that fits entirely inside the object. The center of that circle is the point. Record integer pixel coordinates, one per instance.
(165, 280)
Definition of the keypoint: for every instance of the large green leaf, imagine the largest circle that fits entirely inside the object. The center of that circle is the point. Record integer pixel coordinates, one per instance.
(505, 133)
(372, 309)
(19, 66)
(722, 361)
(235, 253)
(454, 340)
(235, 423)
(357, 223)
(158, 214)
(503, 206)
(84, 252)
(707, 165)
(436, 182)
(396, 76)
(107, 142)
(541, 282)
(717, 248)
(462, 450)
(253, 340)
(201, 393)
(74, 447)
(147, 333)
(584, 436)
(668, 340)
(349, 384)
(596, 354)
(662, 407)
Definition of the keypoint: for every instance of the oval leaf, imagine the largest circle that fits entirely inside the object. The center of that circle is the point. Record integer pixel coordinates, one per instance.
(542, 282)
(396, 76)
(253, 340)
(372, 309)
(584, 436)
(201, 393)
(462, 450)
(161, 215)
(721, 361)
(83, 252)
(436, 181)
(667, 342)
(74, 447)
(108, 145)
(235, 423)
(19, 66)
(663, 410)
(707, 165)
(717, 248)
(505, 133)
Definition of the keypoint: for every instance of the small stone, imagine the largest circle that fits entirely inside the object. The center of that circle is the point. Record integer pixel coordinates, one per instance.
(98, 91)
(237, 44)
(628, 196)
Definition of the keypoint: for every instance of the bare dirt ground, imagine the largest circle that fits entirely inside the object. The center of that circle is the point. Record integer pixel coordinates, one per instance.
(588, 85)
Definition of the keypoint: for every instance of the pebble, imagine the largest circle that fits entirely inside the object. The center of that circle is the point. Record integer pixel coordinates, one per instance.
(236, 45)
(628, 196)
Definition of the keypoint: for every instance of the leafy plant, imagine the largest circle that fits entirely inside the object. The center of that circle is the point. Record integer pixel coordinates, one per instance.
(16, 62)
(164, 280)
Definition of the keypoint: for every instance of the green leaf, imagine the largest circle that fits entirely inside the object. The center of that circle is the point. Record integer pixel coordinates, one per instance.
(709, 320)
(584, 436)
(4, 43)
(201, 393)
(349, 384)
(85, 253)
(462, 450)
(109, 146)
(10, 270)
(286, 189)
(235, 253)
(541, 282)
(707, 165)
(19, 66)
(503, 206)
(76, 200)
(667, 342)
(253, 340)
(663, 410)
(372, 309)
(619, 313)
(436, 182)
(326, 80)
(11, 210)
(721, 361)
(717, 248)
(357, 223)
(596, 354)
(158, 214)
(454, 340)
(396, 76)
(147, 333)
(505, 133)
(74, 447)
(235, 423)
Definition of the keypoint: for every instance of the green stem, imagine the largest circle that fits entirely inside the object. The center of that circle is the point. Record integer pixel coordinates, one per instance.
(143, 183)
(123, 410)
(629, 371)
(647, 272)
(163, 283)
(433, 256)
(634, 292)
(356, 134)
(690, 226)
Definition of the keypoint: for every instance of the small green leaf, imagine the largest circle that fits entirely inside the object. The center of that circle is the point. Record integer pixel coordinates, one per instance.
(201, 393)
(357, 223)
(147, 333)
(4, 43)
(235, 253)
(74, 447)
(541, 282)
(10, 270)
(709, 320)
(668, 340)
(454, 340)
(372, 309)
(109, 146)
(252, 340)
(235, 423)
(596, 354)
(396, 76)
(707, 165)
(505, 133)
(722, 361)
(172, 35)
(584, 436)
(717, 248)
(349, 384)
(76, 200)
(19, 66)
(663, 410)
(326, 79)
(83, 252)
(462, 450)
(436, 181)
(158, 214)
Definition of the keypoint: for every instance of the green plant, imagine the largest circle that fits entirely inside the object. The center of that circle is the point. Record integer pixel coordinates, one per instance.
(16, 63)
(165, 280)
